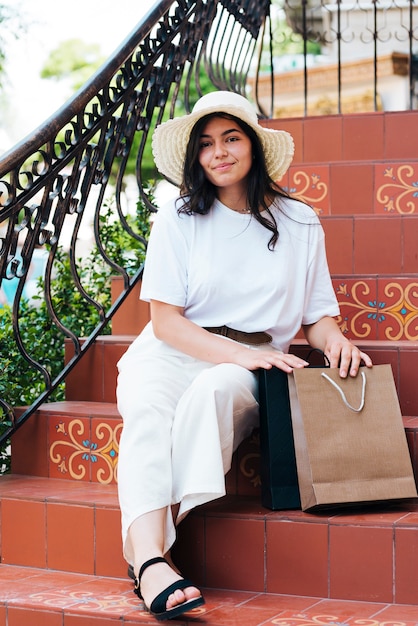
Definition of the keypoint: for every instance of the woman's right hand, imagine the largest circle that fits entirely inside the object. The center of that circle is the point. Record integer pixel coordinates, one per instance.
(266, 358)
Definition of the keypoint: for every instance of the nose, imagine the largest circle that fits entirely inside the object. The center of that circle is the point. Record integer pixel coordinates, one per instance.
(220, 149)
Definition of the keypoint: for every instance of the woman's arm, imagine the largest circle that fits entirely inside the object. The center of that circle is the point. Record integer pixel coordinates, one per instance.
(326, 335)
(172, 327)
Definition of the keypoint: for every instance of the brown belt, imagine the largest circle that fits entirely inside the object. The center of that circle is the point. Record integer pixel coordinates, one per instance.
(241, 336)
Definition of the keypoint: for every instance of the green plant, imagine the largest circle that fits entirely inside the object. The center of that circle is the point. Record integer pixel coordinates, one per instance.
(20, 382)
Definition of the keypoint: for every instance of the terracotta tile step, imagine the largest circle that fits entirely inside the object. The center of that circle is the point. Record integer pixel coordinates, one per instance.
(51, 598)
(365, 554)
(384, 188)
(79, 441)
(94, 378)
(357, 137)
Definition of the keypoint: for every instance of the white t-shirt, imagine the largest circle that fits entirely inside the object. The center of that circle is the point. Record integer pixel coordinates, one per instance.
(219, 268)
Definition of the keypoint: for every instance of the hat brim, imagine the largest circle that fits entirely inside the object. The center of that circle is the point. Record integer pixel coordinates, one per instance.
(170, 139)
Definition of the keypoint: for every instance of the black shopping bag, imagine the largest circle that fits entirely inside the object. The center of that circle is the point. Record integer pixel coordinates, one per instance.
(279, 481)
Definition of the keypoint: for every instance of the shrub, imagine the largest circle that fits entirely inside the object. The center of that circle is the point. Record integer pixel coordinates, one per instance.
(20, 382)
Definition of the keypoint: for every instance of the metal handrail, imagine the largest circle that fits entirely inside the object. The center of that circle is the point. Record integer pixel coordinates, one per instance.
(77, 162)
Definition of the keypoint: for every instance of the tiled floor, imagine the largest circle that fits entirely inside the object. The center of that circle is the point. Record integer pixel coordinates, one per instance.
(50, 598)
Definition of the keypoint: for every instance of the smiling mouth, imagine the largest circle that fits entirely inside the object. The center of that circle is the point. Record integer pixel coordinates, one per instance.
(223, 166)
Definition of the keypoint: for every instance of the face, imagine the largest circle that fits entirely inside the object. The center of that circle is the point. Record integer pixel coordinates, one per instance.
(225, 153)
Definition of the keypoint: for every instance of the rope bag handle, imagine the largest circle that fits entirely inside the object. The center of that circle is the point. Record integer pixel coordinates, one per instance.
(342, 394)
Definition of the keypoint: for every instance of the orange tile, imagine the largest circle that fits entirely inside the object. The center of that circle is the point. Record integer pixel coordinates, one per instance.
(281, 602)
(189, 550)
(89, 368)
(398, 613)
(339, 244)
(297, 558)
(361, 563)
(81, 620)
(69, 447)
(130, 318)
(238, 615)
(295, 128)
(372, 252)
(16, 616)
(23, 532)
(346, 609)
(248, 466)
(70, 538)
(410, 247)
(401, 131)
(228, 565)
(111, 355)
(322, 139)
(104, 452)
(408, 366)
(363, 136)
(357, 299)
(396, 188)
(397, 308)
(406, 573)
(30, 447)
(231, 476)
(310, 183)
(351, 188)
(109, 557)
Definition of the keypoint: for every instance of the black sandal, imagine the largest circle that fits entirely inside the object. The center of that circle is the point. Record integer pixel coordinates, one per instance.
(158, 606)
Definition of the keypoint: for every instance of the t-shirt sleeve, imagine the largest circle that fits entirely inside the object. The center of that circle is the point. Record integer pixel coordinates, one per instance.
(165, 270)
(320, 298)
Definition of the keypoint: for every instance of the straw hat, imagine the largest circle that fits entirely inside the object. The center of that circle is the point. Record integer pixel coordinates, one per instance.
(170, 139)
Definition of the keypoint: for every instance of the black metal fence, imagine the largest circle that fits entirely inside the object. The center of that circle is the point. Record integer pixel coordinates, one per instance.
(87, 169)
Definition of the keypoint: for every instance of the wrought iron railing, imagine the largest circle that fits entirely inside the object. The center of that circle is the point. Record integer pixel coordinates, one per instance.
(84, 169)
(75, 171)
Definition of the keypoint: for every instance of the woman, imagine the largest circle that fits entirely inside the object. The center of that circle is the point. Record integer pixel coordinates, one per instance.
(234, 268)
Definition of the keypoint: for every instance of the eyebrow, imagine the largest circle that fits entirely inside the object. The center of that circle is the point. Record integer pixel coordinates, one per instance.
(226, 132)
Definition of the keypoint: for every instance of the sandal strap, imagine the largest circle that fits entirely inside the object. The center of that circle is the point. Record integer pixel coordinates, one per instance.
(144, 566)
(158, 605)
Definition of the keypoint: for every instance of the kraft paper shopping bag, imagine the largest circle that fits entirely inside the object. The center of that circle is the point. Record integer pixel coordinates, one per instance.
(349, 438)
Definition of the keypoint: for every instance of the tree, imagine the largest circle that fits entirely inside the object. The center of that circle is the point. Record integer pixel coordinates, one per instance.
(75, 60)
(11, 26)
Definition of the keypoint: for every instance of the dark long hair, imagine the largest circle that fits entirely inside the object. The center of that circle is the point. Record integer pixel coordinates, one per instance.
(198, 194)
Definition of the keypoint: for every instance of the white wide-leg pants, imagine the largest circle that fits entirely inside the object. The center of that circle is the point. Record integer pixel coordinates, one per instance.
(182, 420)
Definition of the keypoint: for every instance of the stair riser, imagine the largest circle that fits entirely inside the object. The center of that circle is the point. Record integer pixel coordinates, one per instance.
(385, 189)
(355, 137)
(62, 535)
(358, 317)
(313, 555)
(356, 555)
(82, 448)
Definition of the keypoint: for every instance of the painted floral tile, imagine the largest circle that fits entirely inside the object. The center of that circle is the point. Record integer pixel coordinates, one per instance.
(359, 307)
(396, 188)
(398, 309)
(83, 449)
(311, 185)
(68, 448)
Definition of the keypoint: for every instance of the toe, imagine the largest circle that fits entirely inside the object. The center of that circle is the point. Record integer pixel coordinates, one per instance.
(182, 595)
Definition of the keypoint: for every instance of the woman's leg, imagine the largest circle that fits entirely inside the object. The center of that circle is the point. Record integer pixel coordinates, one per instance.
(158, 577)
(217, 411)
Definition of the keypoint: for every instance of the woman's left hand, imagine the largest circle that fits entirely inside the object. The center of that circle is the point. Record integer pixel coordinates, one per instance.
(346, 356)
(341, 353)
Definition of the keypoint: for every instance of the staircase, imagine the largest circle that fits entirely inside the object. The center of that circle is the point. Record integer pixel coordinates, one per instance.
(60, 535)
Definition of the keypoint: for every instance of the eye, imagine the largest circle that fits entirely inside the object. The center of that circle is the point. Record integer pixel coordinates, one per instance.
(231, 139)
(204, 144)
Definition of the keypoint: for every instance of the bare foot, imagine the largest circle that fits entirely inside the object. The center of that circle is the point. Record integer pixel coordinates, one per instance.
(158, 577)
